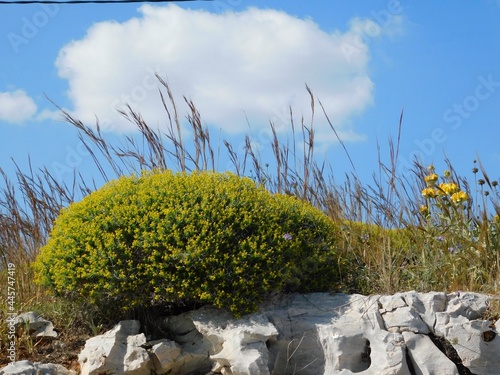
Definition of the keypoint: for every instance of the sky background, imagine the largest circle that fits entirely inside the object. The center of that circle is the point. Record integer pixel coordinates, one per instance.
(244, 63)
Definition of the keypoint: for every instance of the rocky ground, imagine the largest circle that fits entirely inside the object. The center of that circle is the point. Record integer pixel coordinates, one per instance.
(67, 345)
(62, 350)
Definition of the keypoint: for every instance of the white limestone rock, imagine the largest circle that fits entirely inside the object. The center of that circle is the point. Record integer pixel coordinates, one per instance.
(303, 323)
(238, 345)
(469, 305)
(461, 324)
(310, 334)
(404, 319)
(399, 316)
(168, 357)
(426, 358)
(31, 368)
(471, 340)
(116, 351)
(38, 326)
(427, 305)
(195, 348)
(165, 354)
(331, 334)
(356, 342)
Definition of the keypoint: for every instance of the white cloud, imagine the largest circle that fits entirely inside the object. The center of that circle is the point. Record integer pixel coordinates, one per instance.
(252, 64)
(16, 107)
(47, 114)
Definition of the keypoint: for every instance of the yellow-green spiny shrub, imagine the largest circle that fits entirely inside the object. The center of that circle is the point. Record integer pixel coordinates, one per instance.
(201, 237)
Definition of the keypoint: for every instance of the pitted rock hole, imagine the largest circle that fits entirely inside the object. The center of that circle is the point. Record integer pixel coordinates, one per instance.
(366, 360)
(359, 357)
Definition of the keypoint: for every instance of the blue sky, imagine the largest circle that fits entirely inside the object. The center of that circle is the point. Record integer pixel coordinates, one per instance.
(245, 63)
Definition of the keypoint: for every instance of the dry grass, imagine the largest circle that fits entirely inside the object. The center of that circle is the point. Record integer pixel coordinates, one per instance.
(398, 247)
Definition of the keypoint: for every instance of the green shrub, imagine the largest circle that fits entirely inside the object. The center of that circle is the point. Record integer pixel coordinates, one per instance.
(176, 237)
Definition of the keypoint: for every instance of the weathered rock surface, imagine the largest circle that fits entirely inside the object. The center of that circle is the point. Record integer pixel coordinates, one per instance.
(238, 346)
(37, 326)
(116, 351)
(30, 368)
(425, 360)
(320, 333)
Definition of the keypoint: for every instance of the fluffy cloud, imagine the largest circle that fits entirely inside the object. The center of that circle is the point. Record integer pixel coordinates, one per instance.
(16, 107)
(249, 66)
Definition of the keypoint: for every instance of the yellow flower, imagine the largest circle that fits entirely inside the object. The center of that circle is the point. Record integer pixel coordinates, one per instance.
(448, 188)
(458, 197)
(424, 210)
(431, 179)
(429, 192)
